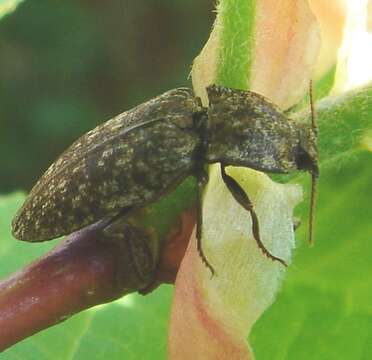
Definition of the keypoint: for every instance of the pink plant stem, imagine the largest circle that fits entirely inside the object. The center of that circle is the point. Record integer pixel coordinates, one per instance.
(83, 271)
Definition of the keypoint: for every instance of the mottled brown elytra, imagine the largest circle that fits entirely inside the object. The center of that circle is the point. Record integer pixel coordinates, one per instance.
(142, 154)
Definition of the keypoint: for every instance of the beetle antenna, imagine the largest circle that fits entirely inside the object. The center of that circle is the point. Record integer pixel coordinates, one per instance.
(314, 124)
(315, 171)
(314, 187)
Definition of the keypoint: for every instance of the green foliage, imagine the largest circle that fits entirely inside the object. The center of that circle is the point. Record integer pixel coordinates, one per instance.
(15, 254)
(7, 6)
(66, 68)
(163, 214)
(324, 310)
(343, 121)
(237, 42)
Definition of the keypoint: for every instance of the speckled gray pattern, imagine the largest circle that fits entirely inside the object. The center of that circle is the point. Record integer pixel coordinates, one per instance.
(144, 153)
(128, 161)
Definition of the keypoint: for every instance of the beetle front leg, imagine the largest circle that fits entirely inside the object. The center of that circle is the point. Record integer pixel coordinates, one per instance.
(242, 198)
(202, 177)
(141, 258)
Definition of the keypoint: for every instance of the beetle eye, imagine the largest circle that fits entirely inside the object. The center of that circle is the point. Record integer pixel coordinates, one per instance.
(303, 160)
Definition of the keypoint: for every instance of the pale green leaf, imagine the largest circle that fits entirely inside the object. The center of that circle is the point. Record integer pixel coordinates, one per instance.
(7, 6)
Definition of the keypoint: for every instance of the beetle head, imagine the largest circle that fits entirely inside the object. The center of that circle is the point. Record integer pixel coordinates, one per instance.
(307, 152)
(246, 129)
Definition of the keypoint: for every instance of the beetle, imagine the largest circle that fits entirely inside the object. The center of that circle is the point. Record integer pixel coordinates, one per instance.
(143, 154)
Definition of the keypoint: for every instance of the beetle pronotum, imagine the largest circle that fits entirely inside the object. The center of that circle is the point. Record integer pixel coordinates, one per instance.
(144, 153)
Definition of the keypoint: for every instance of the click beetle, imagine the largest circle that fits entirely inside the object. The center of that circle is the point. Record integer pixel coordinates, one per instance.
(143, 154)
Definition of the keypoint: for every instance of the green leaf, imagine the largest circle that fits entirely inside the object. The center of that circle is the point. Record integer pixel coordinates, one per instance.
(134, 327)
(7, 6)
(237, 39)
(15, 254)
(324, 310)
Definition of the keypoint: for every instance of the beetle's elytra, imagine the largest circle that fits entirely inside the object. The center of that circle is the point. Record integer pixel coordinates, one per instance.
(144, 153)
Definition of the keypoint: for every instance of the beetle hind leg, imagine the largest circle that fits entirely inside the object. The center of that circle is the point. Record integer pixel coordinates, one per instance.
(242, 198)
(202, 180)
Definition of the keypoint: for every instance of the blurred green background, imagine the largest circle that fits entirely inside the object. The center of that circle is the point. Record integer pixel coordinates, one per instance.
(66, 68)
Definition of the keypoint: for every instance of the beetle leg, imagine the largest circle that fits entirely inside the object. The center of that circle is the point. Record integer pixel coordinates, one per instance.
(242, 198)
(122, 213)
(202, 181)
(140, 257)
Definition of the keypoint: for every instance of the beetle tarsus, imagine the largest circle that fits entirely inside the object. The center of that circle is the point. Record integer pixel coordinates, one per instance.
(199, 224)
(202, 180)
(204, 259)
(242, 198)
